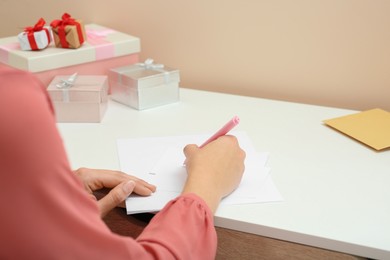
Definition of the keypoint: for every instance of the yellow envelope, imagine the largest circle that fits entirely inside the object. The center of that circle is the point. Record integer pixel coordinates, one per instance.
(371, 127)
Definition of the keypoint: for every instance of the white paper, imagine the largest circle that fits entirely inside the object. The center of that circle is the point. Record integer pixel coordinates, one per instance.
(159, 160)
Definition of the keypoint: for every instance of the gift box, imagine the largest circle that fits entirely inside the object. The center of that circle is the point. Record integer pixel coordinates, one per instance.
(144, 85)
(83, 100)
(68, 32)
(104, 49)
(35, 38)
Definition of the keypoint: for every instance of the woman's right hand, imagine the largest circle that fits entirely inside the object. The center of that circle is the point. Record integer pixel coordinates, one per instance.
(214, 170)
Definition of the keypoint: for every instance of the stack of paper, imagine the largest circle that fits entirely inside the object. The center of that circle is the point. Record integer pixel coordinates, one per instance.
(159, 161)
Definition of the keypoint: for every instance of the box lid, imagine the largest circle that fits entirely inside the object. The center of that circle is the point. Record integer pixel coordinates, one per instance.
(140, 76)
(92, 89)
(102, 43)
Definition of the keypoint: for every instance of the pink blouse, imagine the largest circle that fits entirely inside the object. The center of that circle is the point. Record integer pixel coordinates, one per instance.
(46, 214)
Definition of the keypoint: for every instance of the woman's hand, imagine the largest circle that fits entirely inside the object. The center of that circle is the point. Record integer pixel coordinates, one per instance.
(121, 185)
(215, 170)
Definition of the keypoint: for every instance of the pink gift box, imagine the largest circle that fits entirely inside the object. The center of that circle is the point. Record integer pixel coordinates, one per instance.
(100, 67)
(104, 49)
(83, 102)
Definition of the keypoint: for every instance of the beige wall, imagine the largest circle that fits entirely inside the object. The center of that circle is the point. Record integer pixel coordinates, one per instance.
(326, 52)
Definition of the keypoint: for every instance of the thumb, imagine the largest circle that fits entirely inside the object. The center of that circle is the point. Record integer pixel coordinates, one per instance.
(117, 195)
(190, 149)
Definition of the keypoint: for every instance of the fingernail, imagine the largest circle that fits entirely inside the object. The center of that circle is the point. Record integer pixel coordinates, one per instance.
(128, 187)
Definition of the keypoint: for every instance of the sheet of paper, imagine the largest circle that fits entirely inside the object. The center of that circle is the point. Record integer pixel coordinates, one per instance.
(371, 127)
(159, 160)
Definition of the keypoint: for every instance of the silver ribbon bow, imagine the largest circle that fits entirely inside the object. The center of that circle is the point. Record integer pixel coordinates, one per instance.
(149, 65)
(65, 84)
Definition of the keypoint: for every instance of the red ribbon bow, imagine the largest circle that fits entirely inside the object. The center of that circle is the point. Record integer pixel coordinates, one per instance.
(31, 30)
(66, 20)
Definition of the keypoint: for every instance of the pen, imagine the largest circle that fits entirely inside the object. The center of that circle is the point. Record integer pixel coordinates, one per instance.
(223, 131)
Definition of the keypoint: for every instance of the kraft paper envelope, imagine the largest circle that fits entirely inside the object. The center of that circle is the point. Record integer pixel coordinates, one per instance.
(371, 127)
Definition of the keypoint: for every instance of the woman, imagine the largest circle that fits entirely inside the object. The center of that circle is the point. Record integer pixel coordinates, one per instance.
(48, 209)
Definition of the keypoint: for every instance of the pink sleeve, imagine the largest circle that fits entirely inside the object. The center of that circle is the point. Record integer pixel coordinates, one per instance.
(186, 216)
(46, 214)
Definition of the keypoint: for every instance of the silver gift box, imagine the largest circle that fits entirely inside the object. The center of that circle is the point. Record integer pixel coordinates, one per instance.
(144, 85)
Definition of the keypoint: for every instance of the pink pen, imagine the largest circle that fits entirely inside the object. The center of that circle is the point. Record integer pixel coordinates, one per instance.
(223, 131)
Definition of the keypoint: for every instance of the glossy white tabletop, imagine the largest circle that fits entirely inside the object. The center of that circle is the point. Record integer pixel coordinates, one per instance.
(336, 190)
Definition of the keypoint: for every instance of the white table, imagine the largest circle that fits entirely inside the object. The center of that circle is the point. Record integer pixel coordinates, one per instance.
(336, 190)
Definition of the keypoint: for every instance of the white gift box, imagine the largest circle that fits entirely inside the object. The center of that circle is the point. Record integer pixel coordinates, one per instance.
(104, 49)
(42, 40)
(102, 43)
(144, 85)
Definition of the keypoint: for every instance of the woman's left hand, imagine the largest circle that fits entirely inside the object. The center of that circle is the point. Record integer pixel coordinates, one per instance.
(121, 185)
